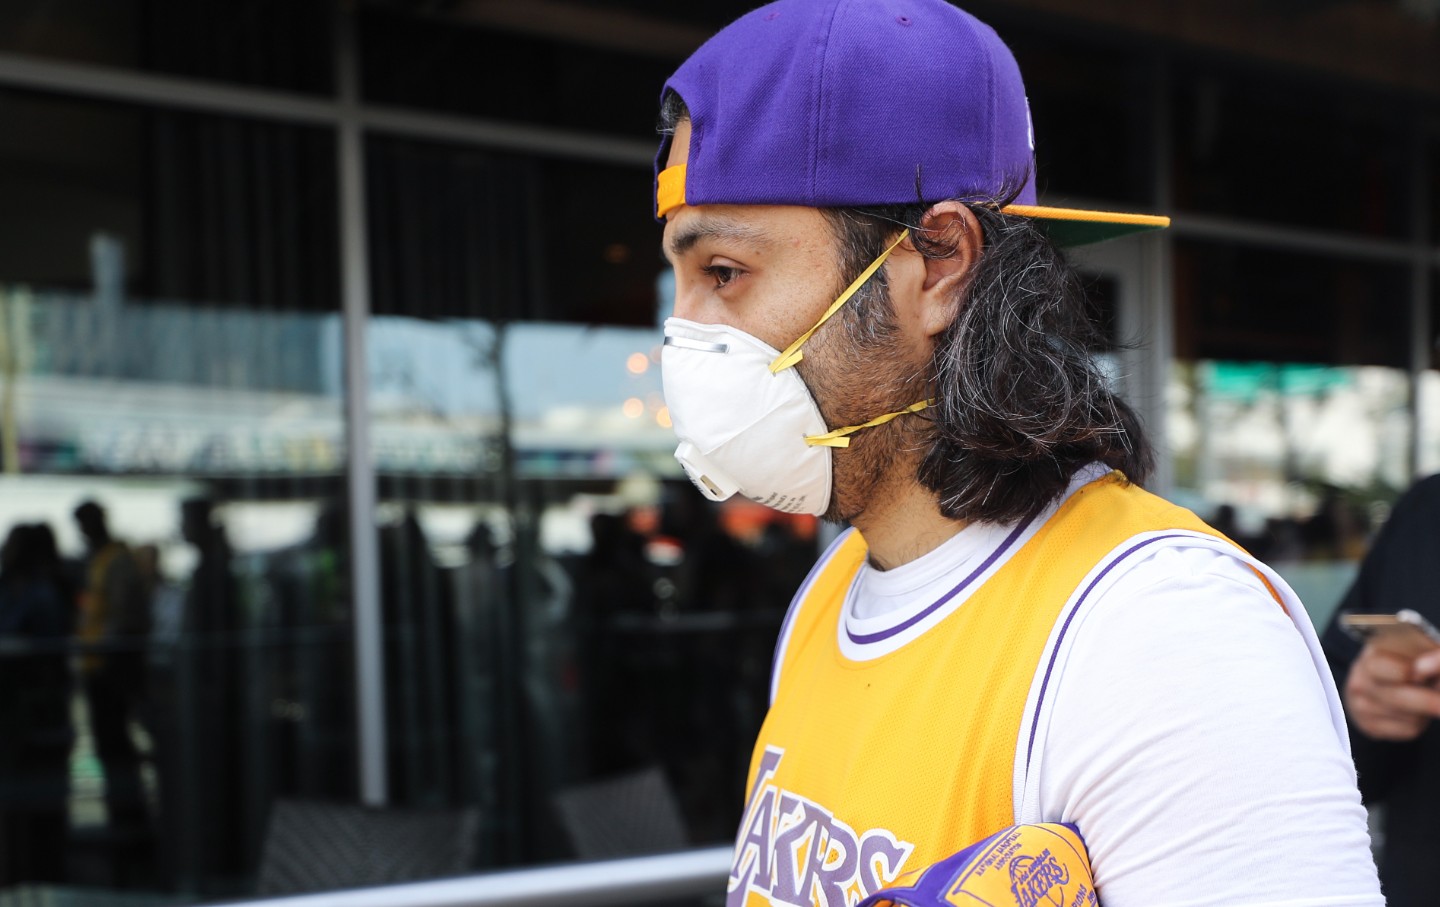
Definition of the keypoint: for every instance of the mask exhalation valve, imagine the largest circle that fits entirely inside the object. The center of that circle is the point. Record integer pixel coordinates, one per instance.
(715, 485)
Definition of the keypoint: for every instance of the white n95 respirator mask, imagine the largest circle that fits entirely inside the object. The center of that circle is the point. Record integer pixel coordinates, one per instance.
(741, 428)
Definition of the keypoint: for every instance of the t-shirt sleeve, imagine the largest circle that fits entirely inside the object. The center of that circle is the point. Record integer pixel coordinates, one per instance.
(1191, 742)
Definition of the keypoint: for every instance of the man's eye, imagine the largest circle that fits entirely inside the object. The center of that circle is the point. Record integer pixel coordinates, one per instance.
(721, 274)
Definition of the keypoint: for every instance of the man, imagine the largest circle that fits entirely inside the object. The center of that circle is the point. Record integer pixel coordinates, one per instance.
(115, 619)
(1392, 701)
(208, 819)
(872, 323)
(35, 728)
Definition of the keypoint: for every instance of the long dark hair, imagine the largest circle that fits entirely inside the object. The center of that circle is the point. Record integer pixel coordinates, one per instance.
(1020, 402)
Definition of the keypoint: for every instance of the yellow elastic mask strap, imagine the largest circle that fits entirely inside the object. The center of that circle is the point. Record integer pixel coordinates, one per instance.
(669, 190)
(840, 437)
(792, 353)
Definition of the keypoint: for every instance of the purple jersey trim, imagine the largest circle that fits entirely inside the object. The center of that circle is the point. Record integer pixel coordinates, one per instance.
(1075, 609)
(782, 640)
(880, 636)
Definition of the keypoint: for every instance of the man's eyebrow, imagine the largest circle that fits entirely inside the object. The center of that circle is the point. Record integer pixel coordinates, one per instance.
(685, 238)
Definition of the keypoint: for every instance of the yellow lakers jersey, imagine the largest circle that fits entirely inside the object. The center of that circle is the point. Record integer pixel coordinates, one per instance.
(866, 772)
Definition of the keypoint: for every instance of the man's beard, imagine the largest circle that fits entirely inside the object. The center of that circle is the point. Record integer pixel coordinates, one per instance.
(854, 382)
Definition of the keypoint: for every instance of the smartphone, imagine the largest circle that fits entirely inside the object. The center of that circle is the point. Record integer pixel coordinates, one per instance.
(1404, 632)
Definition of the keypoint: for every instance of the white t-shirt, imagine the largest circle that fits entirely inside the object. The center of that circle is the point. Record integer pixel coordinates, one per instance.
(1186, 724)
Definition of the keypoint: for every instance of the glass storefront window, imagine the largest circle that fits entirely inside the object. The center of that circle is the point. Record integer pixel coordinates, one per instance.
(1289, 405)
(1253, 303)
(1230, 131)
(471, 66)
(175, 628)
(595, 636)
(1432, 172)
(276, 44)
(282, 44)
(1091, 112)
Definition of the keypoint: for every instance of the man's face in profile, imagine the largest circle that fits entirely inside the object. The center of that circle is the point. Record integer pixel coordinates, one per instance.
(772, 271)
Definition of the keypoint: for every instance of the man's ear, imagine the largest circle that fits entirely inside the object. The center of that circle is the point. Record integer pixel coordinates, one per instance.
(953, 226)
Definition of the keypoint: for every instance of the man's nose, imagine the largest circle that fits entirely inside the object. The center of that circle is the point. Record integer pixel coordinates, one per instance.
(688, 304)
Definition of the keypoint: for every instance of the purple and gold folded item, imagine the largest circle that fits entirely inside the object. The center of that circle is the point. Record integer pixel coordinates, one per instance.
(1020, 866)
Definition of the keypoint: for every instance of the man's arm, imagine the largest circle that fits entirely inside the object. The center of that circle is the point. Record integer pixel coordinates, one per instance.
(1193, 742)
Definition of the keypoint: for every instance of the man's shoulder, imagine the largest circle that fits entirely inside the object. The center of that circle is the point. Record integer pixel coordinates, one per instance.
(1185, 560)
(1177, 583)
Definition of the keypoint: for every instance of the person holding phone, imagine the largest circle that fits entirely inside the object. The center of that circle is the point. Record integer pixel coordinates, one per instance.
(1392, 694)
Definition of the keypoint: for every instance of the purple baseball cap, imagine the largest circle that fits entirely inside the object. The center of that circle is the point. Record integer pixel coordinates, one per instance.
(832, 103)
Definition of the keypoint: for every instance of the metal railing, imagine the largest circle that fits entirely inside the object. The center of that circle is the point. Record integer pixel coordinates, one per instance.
(636, 880)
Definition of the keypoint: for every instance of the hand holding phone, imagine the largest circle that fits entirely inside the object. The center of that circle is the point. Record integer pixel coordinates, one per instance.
(1405, 633)
(1389, 692)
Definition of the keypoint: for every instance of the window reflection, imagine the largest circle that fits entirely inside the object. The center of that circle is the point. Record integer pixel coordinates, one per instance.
(1432, 170)
(579, 82)
(575, 639)
(1256, 432)
(1224, 124)
(264, 43)
(584, 629)
(1078, 91)
(1296, 455)
(178, 658)
(1297, 463)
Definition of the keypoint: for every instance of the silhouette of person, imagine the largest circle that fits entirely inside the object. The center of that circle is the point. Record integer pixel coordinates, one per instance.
(1336, 531)
(309, 737)
(35, 731)
(419, 623)
(114, 623)
(612, 579)
(209, 626)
